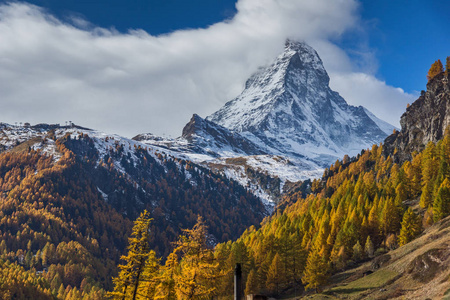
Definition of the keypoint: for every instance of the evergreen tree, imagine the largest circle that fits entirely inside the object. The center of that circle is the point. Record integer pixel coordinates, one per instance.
(411, 227)
(447, 66)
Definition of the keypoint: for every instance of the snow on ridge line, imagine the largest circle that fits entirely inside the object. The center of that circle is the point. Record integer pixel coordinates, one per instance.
(384, 126)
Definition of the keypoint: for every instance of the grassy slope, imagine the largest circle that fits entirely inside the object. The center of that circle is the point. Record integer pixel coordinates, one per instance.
(418, 270)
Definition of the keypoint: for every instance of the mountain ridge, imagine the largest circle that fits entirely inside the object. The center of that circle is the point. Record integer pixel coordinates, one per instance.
(289, 107)
(286, 110)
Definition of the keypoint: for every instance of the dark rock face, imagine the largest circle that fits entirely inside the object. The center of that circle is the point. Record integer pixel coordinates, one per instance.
(424, 121)
(203, 134)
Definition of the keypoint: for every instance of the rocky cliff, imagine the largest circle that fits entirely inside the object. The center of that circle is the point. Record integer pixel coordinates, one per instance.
(425, 120)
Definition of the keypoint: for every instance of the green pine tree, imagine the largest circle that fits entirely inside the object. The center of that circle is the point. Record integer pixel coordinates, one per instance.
(447, 66)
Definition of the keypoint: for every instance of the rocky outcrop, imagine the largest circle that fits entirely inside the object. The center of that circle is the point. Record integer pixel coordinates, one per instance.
(204, 135)
(425, 120)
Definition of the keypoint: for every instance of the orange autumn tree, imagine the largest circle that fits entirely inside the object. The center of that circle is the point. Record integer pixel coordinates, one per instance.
(435, 69)
(198, 269)
(141, 265)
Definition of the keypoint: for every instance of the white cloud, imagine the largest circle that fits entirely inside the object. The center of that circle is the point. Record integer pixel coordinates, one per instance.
(51, 71)
(385, 101)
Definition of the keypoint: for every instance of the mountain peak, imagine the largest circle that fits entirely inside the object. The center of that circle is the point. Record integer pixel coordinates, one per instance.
(295, 70)
(289, 107)
(209, 138)
(303, 56)
(195, 124)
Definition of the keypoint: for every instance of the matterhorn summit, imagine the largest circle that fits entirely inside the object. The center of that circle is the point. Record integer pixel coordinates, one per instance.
(286, 126)
(289, 108)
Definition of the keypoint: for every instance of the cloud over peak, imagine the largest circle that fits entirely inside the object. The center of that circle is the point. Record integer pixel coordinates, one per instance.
(127, 83)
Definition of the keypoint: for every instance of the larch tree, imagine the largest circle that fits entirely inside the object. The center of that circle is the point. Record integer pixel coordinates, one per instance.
(426, 198)
(357, 252)
(165, 290)
(435, 69)
(390, 218)
(251, 286)
(411, 227)
(369, 248)
(296, 259)
(150, 277)
(131, 274)
(441, 204)
(316, 271)
(198, 269)
(276, 275)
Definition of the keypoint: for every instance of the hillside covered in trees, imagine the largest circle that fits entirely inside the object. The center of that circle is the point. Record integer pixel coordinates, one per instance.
(67, 203)
(68, 198)
(359, 209)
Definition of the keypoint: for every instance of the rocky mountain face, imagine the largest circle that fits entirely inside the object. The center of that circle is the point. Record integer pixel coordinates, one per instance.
(215, 139)
(288, 108)
(424, 121)
(205, 137)
(201, 136)
(287, 125)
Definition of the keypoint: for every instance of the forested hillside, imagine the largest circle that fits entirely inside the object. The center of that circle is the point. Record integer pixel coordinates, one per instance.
(67, 201)
(69, 195)
(54, 223)
(359, 209)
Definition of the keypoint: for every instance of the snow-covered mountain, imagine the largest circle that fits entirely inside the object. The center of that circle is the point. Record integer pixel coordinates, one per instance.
(289, 109)
(201, 136)
(228, 153)
(287, 125)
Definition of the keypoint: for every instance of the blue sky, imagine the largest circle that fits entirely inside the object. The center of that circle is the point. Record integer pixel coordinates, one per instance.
(138, 66)
(154, 16)
(407, 37)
